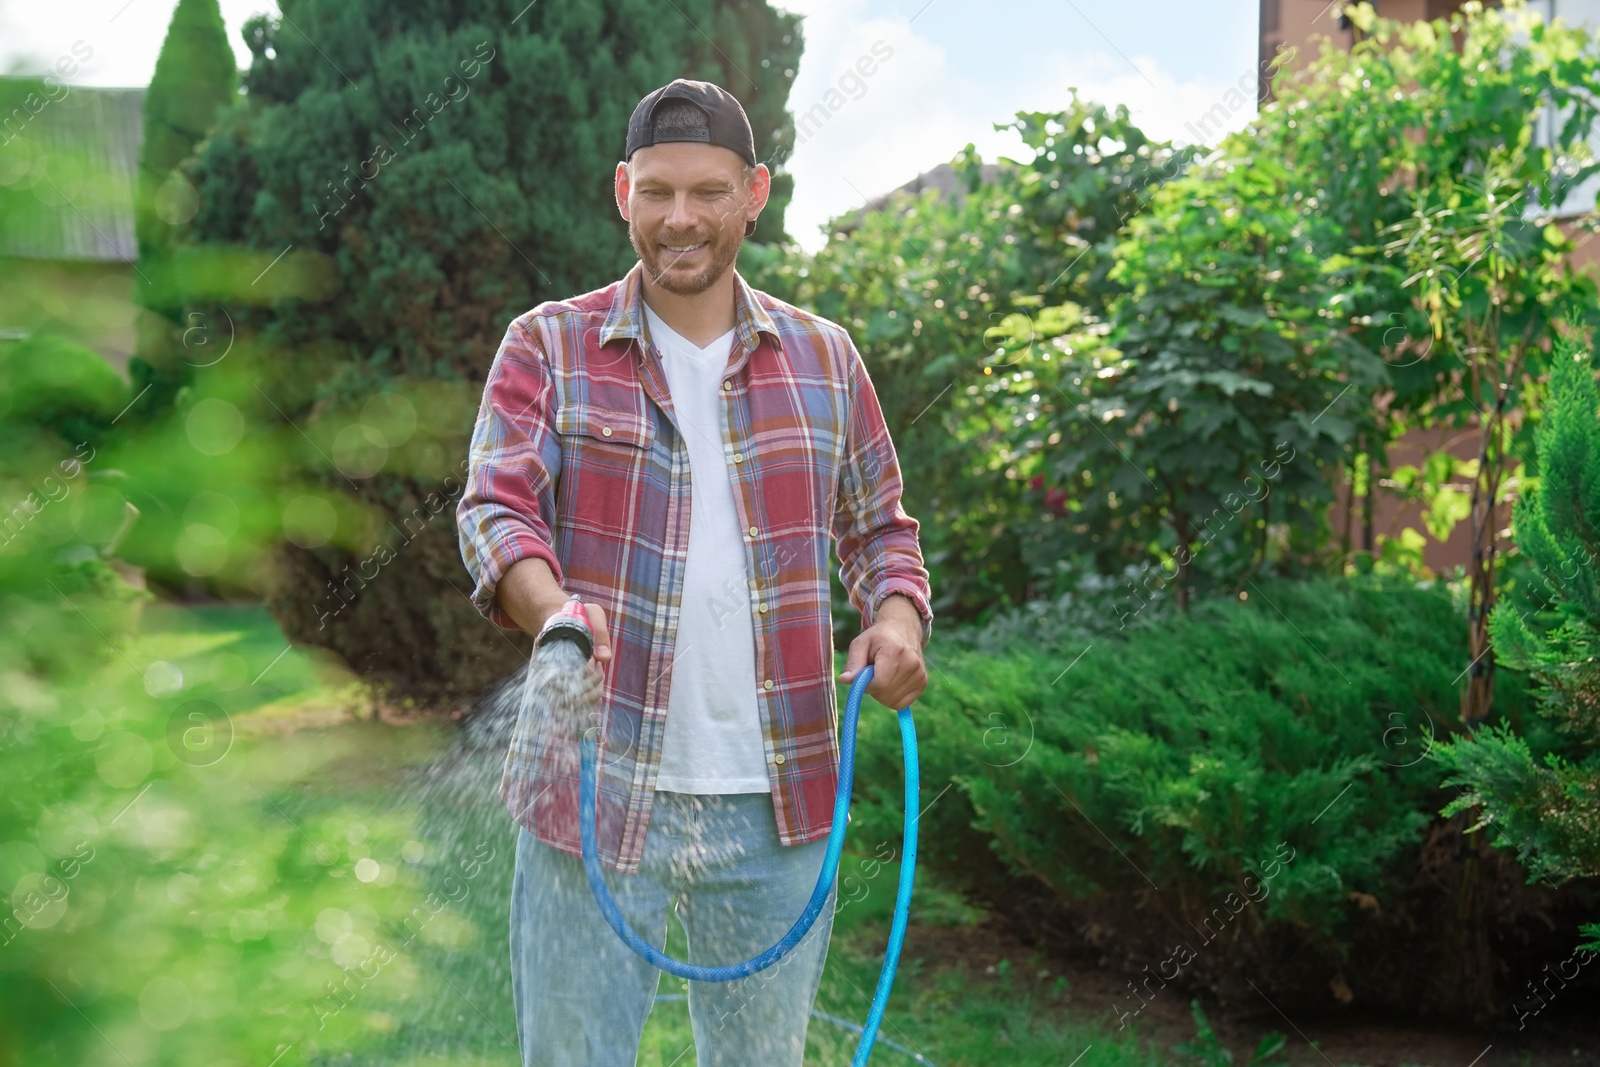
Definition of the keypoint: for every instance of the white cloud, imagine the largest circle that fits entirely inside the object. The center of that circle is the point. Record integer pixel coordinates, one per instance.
(860, 135)
(1196, 111)
(919, 108)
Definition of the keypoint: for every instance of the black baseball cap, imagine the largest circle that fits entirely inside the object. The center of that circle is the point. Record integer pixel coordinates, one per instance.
(726, 123)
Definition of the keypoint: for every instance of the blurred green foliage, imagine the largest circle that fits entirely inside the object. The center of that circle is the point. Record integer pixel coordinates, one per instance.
(194, 79)
(185, 879)
(207, 863)
(52, 386)
(116, 862)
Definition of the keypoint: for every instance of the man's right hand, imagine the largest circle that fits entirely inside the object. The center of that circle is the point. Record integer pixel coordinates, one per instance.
(530, 594)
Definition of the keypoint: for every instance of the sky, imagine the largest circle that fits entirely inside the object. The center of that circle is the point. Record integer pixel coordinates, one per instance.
(944, 72)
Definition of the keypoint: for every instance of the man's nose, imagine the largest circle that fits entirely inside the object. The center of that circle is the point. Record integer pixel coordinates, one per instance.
(682, 216)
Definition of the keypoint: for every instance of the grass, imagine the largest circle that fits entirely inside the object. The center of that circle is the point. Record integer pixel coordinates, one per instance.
(286, 853)
(944, 1012)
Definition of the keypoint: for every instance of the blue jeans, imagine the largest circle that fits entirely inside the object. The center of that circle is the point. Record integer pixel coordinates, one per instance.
(582, 996)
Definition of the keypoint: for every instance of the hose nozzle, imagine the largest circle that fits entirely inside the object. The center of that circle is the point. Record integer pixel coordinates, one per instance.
(571, 623)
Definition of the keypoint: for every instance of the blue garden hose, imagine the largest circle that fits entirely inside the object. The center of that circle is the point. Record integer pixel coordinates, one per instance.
(819, 896)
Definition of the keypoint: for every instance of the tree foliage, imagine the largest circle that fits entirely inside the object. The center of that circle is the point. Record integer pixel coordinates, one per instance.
(194, 77)
(403, 180)
(1442, 150)
(921, 283)
(1198, 431)
(1126, 365)
(1401, 121)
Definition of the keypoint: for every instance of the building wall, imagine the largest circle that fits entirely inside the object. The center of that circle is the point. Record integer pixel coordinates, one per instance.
(67, 260)
(88, 303)
(1299, 22)
(1391, 514)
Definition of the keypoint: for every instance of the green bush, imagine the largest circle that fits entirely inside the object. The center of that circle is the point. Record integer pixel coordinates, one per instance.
(49, 383)
(1238, 792)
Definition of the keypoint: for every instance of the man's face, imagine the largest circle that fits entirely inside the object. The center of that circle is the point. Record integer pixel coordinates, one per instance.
(686, 206)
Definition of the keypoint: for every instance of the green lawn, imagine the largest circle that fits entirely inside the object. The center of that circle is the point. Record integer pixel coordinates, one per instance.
(281, 888)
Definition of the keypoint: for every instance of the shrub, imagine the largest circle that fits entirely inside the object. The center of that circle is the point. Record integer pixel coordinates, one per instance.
(49, 383)
(1234, 793)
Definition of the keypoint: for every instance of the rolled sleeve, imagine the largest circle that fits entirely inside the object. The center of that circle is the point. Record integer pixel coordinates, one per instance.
(507, 509)
(879, 554)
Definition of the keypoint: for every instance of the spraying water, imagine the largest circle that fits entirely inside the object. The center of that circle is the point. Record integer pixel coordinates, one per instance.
(542, 714)
(458, 937)
(560, 699)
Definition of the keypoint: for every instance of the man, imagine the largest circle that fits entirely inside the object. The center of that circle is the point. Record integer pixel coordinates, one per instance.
(676, 449)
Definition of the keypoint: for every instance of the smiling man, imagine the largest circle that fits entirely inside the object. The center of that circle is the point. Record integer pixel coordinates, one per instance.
(680, 450)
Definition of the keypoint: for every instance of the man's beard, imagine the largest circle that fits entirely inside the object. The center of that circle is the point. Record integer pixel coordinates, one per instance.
(682, 280)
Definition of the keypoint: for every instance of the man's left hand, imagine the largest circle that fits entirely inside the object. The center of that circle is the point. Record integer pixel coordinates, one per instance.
(893, 645)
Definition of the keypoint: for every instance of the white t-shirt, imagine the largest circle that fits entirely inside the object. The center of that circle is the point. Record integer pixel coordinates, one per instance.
(713, 740)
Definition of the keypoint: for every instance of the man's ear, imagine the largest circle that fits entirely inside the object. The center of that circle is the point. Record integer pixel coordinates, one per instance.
(763, 185)
(621, 188)
(760, 189)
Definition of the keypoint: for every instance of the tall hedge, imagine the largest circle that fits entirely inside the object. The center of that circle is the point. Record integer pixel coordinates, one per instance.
(426, 172)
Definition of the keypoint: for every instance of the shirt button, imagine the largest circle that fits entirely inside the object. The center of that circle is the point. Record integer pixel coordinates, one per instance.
(753, 531)
(778, 759)
(767, 684)
(606, 431)
(738, 457)
(727, 383)
(762, 608)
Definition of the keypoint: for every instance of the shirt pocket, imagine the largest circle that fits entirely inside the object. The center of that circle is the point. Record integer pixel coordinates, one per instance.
(603, 426)
(607, 462)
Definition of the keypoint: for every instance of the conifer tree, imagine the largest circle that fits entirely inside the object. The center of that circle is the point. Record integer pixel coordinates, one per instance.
(403, 179)
(194, 79)
(1547, 807)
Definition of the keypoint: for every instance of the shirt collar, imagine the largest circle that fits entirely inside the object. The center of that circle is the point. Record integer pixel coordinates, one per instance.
(626, 317)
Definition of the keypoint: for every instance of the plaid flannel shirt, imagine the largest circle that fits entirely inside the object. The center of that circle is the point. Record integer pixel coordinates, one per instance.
(577, 460)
